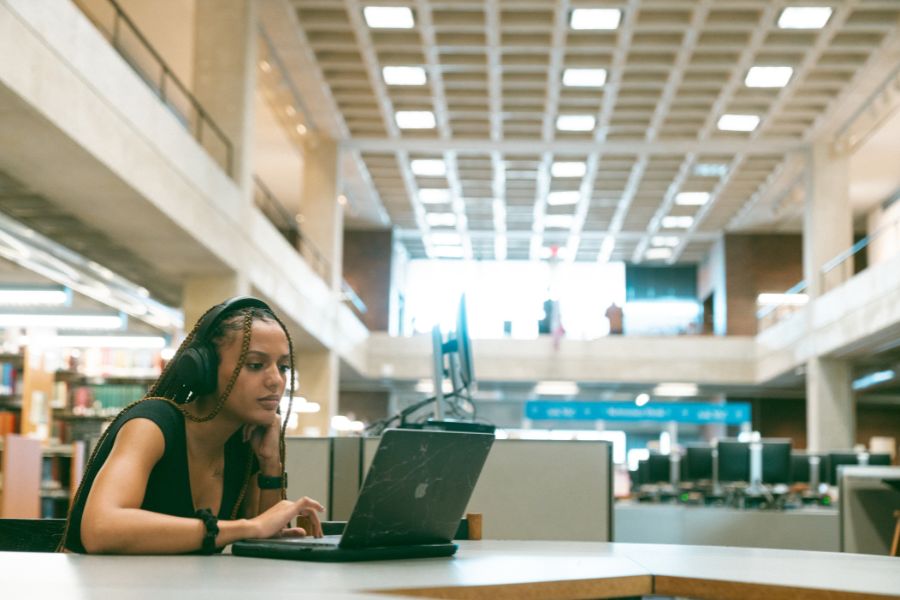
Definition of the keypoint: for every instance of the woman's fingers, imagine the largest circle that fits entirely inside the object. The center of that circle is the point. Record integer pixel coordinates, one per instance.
(291, 532)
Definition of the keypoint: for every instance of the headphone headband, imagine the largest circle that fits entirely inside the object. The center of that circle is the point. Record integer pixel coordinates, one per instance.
(212, 318)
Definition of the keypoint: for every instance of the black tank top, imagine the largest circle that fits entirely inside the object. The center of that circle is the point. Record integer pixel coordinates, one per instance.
(168, 488)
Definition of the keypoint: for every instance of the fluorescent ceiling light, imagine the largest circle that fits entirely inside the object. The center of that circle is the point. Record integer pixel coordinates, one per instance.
(671, 222)
(675, 389)
(445, 239)
(667, 241)
(568, 169)
(738, 122)
(415, 119)
(146, 342)
(692, 198)
(547, 252)
(558, 221)
(768, 77)
(563, 198)
(594, 78)
(710, 170)
(556, 388)
(61, 321)
(500, 249)
(33, 297)
(433, 195)
(658, 253)
(404, 75)
(595, 18)
(447, 252)
(440, 219)
(804, 17)
(773, 299)
(389, 17)
(576, 122)
(642, 399)
(867, 381)
(428, 167)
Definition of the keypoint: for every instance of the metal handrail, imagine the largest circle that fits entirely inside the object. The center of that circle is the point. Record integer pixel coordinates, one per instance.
(203, 120)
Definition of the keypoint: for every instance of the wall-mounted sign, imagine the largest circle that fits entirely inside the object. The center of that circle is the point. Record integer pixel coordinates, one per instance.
(733, 413)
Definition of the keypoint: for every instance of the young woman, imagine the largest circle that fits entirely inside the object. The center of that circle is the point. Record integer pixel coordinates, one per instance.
(198, 463)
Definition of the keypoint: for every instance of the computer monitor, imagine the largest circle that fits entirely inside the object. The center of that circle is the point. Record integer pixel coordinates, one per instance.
(776, 461)
(880, 459)
(697, 462)
(734, 460)
(464, 347)
(800, 472)
(658, 468)
(849, 457)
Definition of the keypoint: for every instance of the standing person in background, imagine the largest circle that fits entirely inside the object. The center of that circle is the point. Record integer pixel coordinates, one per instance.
(198, 463)
(615, 317)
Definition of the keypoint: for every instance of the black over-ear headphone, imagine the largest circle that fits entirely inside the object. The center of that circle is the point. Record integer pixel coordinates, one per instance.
(196, 366)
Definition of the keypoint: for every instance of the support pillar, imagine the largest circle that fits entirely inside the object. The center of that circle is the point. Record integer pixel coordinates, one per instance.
(830, 407)
(202, 293)
(225, 79)
(323, 215)
(318, 372)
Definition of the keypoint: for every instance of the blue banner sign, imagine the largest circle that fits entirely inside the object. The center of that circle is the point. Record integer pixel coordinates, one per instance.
(682, 412)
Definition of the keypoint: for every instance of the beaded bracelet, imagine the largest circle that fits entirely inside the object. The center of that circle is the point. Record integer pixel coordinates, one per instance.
(212, 530)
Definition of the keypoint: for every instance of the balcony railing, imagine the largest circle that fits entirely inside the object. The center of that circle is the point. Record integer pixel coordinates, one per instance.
(109, 18)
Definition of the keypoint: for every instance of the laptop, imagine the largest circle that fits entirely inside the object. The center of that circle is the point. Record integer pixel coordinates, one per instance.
(410, 504)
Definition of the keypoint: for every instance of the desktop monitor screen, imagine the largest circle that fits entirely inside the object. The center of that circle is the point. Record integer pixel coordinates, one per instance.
(734, 460)
(837, 459)
(880, 459)
(776, 461)
(800, 467)
(697, 463)
(657, 468)
(464, 346)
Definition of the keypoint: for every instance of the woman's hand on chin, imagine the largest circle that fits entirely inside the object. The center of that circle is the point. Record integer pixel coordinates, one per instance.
(264, 440)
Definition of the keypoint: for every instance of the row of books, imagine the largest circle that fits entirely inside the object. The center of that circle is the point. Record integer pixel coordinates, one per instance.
(9, 422)
(10, 377)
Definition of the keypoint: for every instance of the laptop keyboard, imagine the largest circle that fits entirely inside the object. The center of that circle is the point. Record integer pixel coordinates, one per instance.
(328, 540)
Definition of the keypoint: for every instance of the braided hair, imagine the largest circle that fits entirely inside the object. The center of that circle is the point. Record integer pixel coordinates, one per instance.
(168, 388)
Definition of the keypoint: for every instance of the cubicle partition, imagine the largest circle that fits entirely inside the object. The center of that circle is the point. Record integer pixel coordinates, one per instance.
(528, 490)
(868, 498)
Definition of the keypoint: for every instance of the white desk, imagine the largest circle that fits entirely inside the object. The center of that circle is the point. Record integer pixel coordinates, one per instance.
(487, 569)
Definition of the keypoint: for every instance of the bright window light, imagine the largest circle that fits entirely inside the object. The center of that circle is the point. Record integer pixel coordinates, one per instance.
(146, 342)
(595, 18)
(389, 17)
(778, 299)
(576, 122)
(415, 119)
(433, 195)
(558, 221)
(428, 167)
(33, 297)
(768, 77)
(404, 75)
(692, 198)
(666, 241)
(563, 198)
(440, 219)
(738, 122)
(584, 77)
(547, 253)
(658, 253)
(61, 321)
(677, 390)
(445, 239)
(710, 170)
(568, 169)
(556, 388)
(804, 17)
(447, 252)
(671, 222)
(867, 381)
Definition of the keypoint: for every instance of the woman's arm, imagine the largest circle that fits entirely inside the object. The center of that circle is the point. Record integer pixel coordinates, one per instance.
(113, 521)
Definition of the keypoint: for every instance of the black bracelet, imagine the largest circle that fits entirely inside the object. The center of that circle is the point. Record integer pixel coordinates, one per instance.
(268, 482)
(212, 530)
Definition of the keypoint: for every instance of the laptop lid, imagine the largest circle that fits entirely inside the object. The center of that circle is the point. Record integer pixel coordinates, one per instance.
(417, 488)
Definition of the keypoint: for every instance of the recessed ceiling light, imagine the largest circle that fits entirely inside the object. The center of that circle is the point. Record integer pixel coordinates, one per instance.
(595, 18)
(445, 239)
(669, 241)
(265, 66)
(568, 169)
(671, 222)
(584, 77)
(658, 253)
(692, 198)
(558, 221)
(547, 252)
(404, 75)
(768, 77)
(433, 195)
(563, 198)
(440, 219)
(738, 122)
(575, 122)
(415, 119)
(675, 389)
(556, 388)
(804, 17)
(389, 17)
(447, 251)
(428, 167)
(300, 128)
(710, 170)
(641, 399)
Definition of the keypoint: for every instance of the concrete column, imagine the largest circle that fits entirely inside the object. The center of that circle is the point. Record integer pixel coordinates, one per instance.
(202, 293)
(323, 216)
(828, 219)
(318, 372)
(225, 78)
(830, 409)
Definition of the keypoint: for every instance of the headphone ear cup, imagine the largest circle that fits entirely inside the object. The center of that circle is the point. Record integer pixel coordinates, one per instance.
(197, 369)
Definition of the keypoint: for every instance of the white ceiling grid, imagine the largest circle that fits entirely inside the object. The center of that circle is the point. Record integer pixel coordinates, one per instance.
(494, 83)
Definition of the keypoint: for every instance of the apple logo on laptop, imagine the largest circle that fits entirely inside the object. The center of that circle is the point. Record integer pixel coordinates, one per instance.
(420, 490)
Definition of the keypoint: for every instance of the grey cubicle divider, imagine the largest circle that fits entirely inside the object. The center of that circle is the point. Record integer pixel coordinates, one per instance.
(542, 490)
(308, 467)
(866, 505)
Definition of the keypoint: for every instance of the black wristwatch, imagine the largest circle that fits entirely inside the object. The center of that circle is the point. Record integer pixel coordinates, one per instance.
(266, 482)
